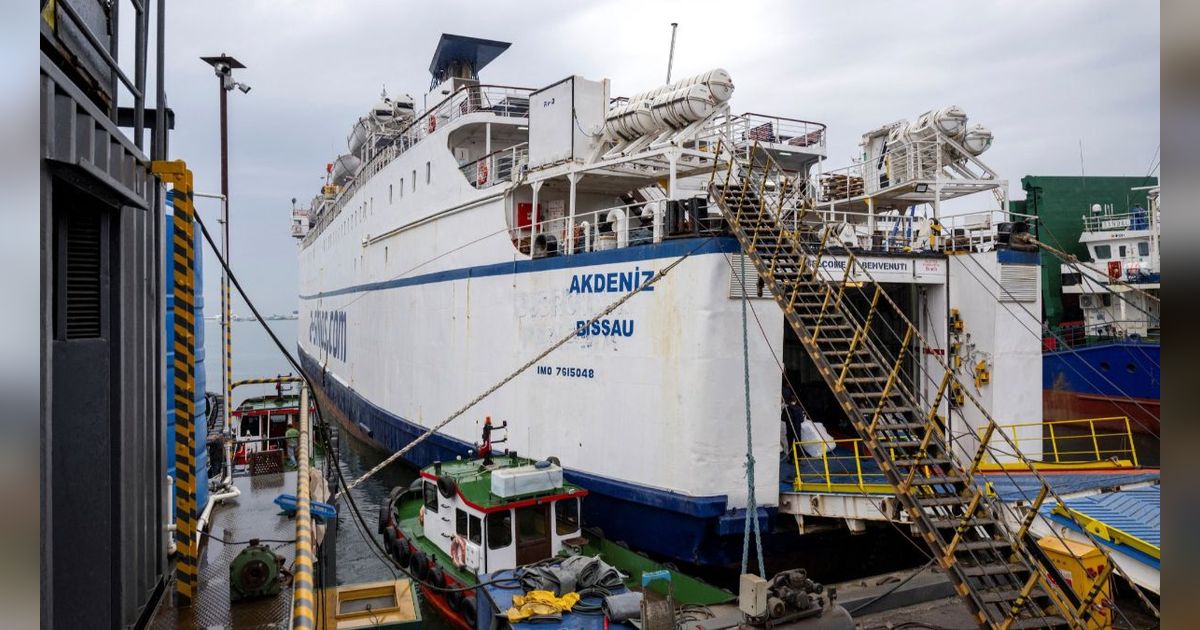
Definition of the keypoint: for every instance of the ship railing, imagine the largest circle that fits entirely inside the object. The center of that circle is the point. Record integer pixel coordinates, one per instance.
(497, 100)
(804, 135)
(1085, 443)
(1080, 335)
(843, 465)
(497, 167)
(1117, 222)
(888, 231)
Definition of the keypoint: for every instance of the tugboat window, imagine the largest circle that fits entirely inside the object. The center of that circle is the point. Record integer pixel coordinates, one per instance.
(1143, 248)
(566, 516)
(431, 499)
(499, 527)
(1103, 252)
(460, 522)
(476, 529)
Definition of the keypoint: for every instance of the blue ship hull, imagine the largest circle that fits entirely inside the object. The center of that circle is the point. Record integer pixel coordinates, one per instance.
(697, 530)
(1119, 378)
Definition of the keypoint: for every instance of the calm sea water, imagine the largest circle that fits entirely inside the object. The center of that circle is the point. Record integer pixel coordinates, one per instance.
(256, 356)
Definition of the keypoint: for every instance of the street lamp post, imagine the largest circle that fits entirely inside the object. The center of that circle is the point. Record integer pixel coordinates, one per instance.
(223, 65)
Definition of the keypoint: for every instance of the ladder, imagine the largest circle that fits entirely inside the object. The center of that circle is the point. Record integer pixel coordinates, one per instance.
(861, 352)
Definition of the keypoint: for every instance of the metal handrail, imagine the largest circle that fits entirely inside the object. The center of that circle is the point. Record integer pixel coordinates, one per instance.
(491, 173)
(1063, 442)
(466, 100)
(869, 482)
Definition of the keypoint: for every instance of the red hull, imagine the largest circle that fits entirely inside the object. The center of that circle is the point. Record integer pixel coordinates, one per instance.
(1143, 413)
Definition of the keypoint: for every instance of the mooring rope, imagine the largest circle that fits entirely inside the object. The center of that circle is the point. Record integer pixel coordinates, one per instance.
(751, 504)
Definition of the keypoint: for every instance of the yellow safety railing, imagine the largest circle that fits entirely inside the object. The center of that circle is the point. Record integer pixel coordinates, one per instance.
(1085, 443)
(837, 472)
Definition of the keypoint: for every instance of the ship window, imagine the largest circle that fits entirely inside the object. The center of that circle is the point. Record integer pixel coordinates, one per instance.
(476, 529)
(428, 172)
(1103, 252)
(1104, 365)
(566, 516)
(1143, 248)
(499, 532)
(401, 187)
(1122, 251)
(389, 193)
(1129, 367)
(431, 499)
(460, 522)
(414, 175)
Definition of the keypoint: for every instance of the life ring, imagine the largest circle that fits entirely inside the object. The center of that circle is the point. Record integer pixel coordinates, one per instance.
(447, 486)
(481, 174)
(421, 516)
(458, 551)
(432, 123)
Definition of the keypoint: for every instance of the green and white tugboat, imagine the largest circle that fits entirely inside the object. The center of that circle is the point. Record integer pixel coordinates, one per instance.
(481, 535)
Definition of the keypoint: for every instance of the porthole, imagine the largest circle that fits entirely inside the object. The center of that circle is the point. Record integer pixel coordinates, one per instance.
(1131, 368)
(1104, 365)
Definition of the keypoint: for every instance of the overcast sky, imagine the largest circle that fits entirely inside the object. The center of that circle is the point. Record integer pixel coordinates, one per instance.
(1044, 76)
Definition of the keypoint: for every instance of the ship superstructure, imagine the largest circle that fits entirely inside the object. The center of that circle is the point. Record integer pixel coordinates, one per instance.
(459, 238)
(1109, 362)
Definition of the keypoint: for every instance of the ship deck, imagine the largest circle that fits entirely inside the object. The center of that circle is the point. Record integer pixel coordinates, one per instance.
(252, 514)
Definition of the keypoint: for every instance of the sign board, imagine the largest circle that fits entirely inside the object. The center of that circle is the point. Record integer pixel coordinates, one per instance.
(888, 269)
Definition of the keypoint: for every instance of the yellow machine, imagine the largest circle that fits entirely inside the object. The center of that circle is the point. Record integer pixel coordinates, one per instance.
(1082, 566)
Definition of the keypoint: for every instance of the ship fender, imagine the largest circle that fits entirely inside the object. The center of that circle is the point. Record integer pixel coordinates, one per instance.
(437, 576)
(385, 514)
(467, 608)
(403, 551)
(420, 565)
(389, 541)
(454, 598)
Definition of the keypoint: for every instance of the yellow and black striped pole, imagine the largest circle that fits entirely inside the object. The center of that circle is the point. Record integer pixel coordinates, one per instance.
(303, 599)
(183, 266)
(264, 381)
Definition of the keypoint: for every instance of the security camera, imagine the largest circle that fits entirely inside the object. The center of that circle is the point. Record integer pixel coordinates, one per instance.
(243, 87)
(221, 68)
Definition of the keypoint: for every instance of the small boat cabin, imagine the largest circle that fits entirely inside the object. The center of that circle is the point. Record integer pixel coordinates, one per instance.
(260, 424)
(489, 518)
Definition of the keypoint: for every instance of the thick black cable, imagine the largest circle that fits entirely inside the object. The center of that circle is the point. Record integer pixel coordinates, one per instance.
(891, 590)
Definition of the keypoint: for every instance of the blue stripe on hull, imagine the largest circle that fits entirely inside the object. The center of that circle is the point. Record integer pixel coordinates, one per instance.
(700, 530)
(666, 249)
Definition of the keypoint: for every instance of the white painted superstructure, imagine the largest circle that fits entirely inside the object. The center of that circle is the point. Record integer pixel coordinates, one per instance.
(478, 231)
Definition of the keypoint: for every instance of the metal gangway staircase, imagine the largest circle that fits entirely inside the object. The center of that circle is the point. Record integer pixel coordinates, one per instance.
(861, 352)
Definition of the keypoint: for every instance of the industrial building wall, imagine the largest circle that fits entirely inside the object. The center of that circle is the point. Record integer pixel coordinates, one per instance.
(1060, 204)
(102, 513)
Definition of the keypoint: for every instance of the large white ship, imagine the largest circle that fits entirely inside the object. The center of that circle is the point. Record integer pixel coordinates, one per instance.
(469, 229)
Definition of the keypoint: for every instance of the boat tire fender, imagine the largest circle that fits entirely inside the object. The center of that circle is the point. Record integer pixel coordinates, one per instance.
(389, 541)
(403, 552)
(437, 576)
(467, 608)
(420, 565)
(385, 512)
(454, 598)
(554, 460)
(447, 487)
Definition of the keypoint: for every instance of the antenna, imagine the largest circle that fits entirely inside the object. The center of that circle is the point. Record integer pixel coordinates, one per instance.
(671, 56)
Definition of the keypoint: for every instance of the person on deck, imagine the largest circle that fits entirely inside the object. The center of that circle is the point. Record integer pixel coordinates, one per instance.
(292, 441)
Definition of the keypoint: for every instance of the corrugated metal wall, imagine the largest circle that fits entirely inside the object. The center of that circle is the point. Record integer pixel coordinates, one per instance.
(1060, 203)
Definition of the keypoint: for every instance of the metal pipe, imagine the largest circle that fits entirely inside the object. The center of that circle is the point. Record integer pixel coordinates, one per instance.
(671, 56)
